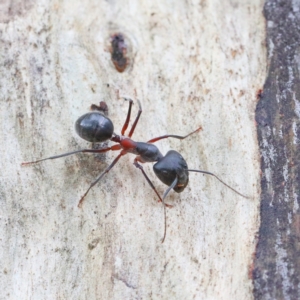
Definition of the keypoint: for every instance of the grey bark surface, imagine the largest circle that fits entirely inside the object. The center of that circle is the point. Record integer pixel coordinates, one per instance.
(190, 64)
(277, 259)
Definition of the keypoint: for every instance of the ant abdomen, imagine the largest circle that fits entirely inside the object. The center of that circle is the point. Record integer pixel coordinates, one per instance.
(170, 167)
(94, 127)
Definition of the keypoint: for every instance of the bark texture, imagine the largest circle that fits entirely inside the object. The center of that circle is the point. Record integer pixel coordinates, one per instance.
(191, 64)
(277, 260)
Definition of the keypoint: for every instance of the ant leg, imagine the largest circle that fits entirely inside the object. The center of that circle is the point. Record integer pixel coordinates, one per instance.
(148, 180)
(113, 148)
(173, 136)
(101, 176)
(136, 119)
(209, 173)
(128, 117)
(102, 107)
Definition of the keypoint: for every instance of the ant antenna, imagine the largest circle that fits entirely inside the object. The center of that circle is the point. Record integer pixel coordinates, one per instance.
(163, 201)
(165, 217)
(209, 173)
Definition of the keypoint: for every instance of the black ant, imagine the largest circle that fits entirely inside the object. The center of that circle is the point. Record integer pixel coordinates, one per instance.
(171, 169)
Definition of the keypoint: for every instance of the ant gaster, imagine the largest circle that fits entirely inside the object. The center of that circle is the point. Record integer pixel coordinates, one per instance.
(171, 169)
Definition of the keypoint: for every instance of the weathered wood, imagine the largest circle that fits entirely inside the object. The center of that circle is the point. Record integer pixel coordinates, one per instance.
(190, 64)
(277, 263)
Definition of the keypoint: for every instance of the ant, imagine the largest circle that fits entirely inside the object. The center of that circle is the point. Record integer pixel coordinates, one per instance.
(171, 169)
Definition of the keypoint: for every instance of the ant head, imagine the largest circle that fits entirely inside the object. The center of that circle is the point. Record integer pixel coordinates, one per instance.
(170, 167)
(94, 127)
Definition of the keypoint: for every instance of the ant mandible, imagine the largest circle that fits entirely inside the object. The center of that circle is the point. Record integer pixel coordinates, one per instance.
(171, 169)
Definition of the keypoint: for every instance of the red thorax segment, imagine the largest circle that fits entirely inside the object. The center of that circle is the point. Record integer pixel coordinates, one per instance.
(128, 144)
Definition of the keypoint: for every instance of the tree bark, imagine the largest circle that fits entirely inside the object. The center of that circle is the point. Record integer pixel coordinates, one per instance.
(190, 64)
(277, 259)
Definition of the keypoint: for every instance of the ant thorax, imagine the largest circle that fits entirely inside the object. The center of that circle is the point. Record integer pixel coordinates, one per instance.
(147, 152)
